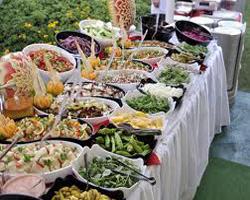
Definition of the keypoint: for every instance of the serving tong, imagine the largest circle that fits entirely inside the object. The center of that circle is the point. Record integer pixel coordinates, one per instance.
(138, 175)
(127, 128)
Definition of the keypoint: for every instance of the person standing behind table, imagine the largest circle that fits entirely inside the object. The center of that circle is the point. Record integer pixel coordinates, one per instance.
(165, 7)
(159, 6)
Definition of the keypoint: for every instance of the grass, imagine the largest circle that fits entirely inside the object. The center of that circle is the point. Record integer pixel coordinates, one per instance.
(244, 80)
(224, 180)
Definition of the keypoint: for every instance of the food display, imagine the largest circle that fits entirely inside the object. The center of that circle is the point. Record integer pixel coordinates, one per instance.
(42, 91)
(57, 61)
(174, 76)
(152, 43)
(69, 43)
(81, 108)
(161, 90)
(145, 54)
(99, 171)
(36, 159)
(116, 64)
(75, 193)
(21, 184)
(116, 141)
(196, 35)
(149, 104)
(184, 57)
(34, 128)
(195, 50)
(95, 89)
(138, 120)
(124, 77)
(98, 30)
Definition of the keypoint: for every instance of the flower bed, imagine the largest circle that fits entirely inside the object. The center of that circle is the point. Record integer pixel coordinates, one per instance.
(36, 21)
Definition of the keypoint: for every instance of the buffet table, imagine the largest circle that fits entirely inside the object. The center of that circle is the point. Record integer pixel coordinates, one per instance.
(184, 147)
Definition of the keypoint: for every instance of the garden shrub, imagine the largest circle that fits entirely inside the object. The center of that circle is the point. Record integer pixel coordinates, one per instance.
(24, 22)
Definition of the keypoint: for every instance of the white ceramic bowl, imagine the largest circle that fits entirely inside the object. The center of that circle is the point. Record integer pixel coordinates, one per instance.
(44, 74)
(95, 120)
(151, 61)
(102, 41)
(50, 177)
(98, 151)
(136, 93)
(125, 86)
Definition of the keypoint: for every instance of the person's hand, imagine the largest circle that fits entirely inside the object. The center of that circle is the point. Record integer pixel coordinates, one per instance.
(156, 3)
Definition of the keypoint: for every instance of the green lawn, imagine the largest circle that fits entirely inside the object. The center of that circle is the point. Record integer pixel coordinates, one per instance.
(244, 78)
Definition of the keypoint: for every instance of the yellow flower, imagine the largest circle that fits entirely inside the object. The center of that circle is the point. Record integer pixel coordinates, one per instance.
(39, 31)
(57, 31)
(27, 25)
(23, 36)
(76, 24)
(52, 25)
(45, 36)
(69, 14)
(6, 51)
(56, 22)
(50, 43)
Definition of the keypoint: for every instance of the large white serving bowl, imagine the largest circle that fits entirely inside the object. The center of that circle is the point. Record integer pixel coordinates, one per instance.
(98, 151)
(101, 40)
(50, 177)
(151, 61)
(44, 74)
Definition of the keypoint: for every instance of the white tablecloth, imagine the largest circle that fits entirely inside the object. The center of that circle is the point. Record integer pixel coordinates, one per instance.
(183, 150)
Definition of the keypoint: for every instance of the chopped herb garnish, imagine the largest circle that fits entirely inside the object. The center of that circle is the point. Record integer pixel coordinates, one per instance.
(48, 162)
(27, 158)
(63, 156)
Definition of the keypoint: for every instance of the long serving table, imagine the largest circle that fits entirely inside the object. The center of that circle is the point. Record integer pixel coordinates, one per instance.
(184, 147)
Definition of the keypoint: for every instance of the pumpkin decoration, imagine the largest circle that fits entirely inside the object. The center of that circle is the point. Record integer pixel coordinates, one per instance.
(55, 87)
(8, 127)
(122, 10)
(110, 50)
(43, 102)
(89, 75)
(94, 61)
(128, 43)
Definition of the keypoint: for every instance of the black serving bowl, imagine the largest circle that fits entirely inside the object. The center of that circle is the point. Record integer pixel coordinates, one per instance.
(174, 51)
(147, 139)
(70, 180)
(162, 34)
(117, 100)
(86, 142)
(149, 80)
(181, 26)
(16, 197)
(64, 34)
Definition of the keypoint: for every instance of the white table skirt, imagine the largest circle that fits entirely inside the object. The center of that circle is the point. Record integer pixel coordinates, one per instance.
(184, 147)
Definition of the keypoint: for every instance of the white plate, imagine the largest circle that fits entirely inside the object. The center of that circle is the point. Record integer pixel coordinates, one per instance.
(102, 41)
(151, 61)
(50, 177)
(44, 74)
(95, 120)
(136, 93)
(97, 151)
